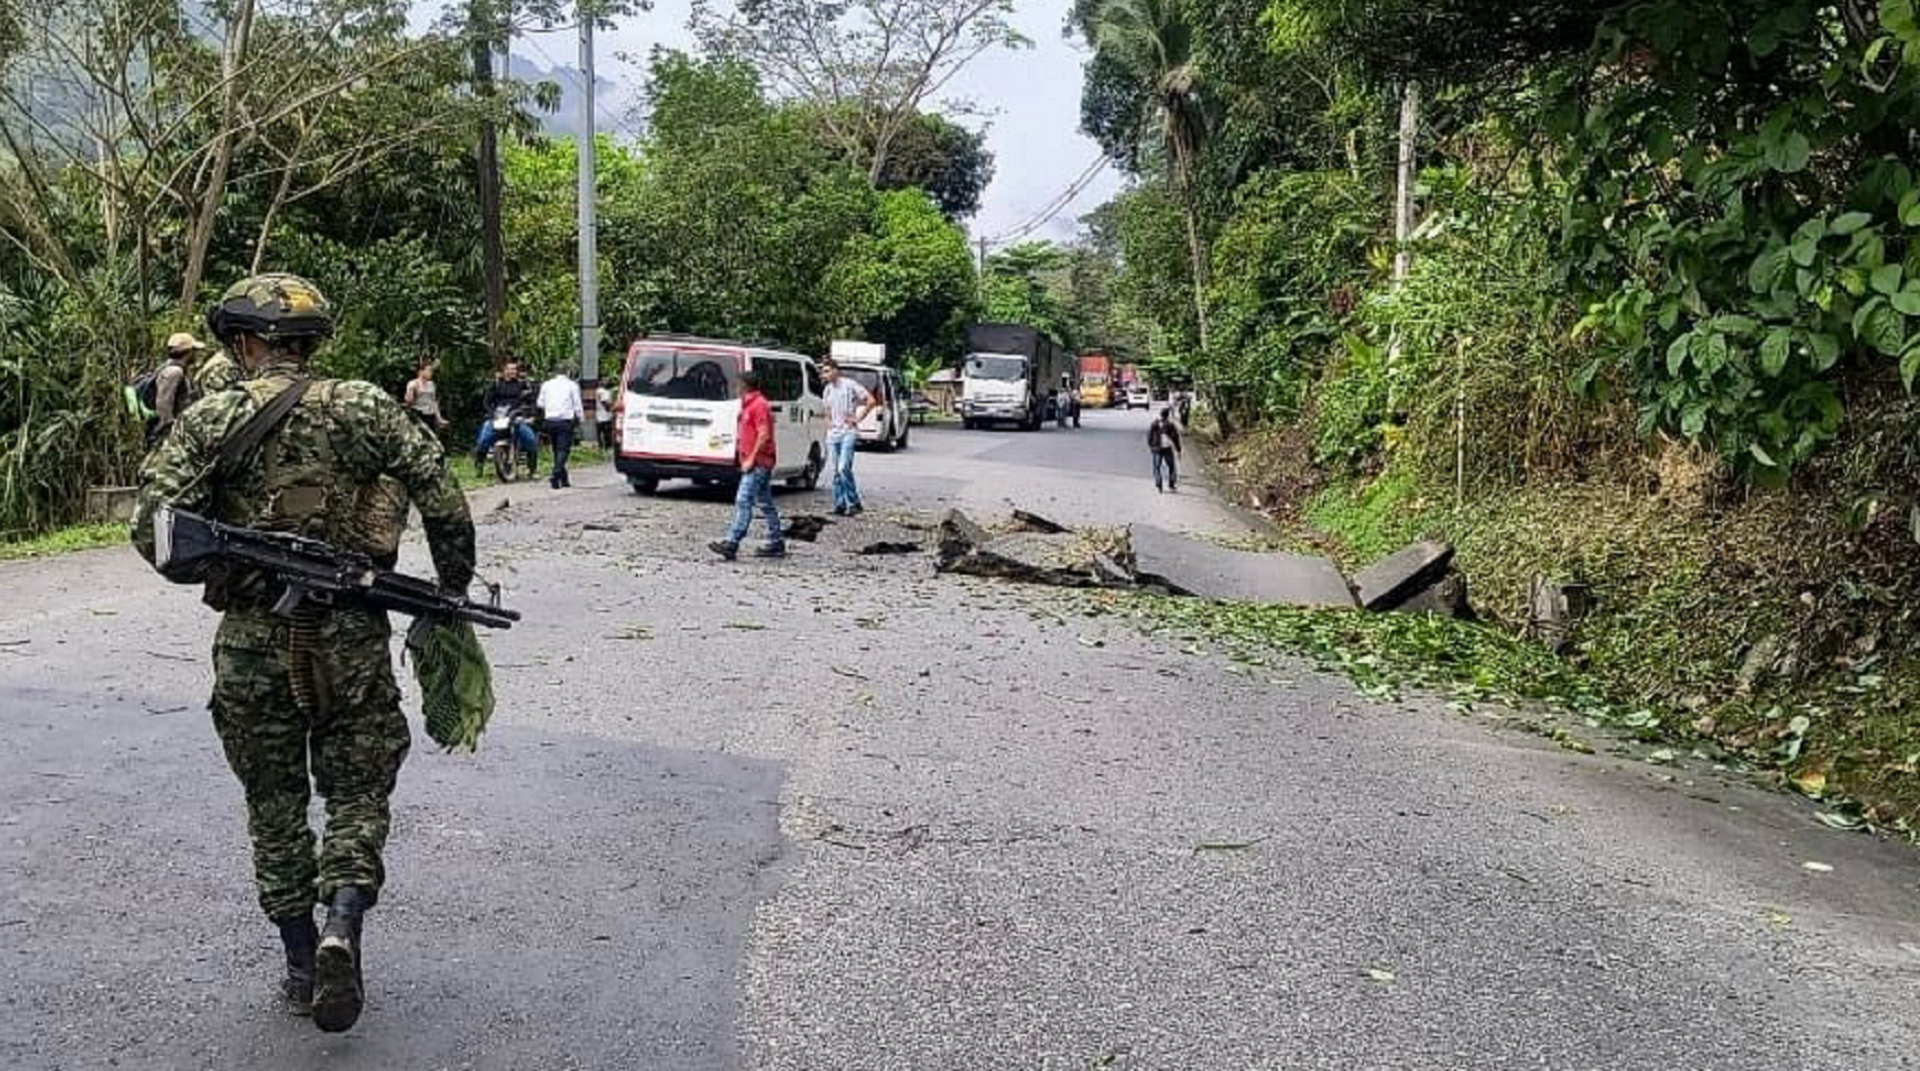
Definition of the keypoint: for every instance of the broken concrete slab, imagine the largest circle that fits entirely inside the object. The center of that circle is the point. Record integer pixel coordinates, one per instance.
(1058, 560)
(1033, 522)
(1555, 610)
(1185, 566)
(957, 536)
(1391, 581)
(889, 547)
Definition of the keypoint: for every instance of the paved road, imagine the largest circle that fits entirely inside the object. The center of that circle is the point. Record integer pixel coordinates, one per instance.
(836, 813)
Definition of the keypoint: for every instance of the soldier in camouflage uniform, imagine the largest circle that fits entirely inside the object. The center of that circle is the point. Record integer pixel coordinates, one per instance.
(215, 374)
(315, 692)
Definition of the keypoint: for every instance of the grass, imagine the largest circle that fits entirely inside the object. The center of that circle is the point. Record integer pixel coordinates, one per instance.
(1757, 625)
(65, 541)
(93, 536)
(463, 471)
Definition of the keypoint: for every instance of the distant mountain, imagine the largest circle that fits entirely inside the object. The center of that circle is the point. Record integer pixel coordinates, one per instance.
(614, 101)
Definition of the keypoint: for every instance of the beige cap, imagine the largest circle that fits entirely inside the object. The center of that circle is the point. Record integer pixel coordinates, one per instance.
(181, 342)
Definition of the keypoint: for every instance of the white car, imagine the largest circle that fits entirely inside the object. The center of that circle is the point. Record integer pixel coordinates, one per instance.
(1139, 397)
(888, 426)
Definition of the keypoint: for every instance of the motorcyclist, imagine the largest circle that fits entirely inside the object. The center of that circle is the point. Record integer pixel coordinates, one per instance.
(515, 394)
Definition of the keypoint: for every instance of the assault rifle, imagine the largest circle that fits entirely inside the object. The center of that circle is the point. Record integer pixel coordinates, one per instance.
(185, 546)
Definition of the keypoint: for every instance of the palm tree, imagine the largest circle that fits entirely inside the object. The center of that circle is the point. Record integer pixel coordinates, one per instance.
(1154, 42)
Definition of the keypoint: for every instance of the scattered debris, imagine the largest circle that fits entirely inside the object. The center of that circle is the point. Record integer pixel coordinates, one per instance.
(1030, 557)
(1380, 975)
(806, 528)
(886, 547)
(957, 537)
(1231, 846)
(601, 528)
(1817, 868)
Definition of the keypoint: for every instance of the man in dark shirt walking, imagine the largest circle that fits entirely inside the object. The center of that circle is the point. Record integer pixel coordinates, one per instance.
(1163, 440)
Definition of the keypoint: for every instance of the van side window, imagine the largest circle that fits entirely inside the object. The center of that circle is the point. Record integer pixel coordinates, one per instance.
(814, 386)
(780, 379)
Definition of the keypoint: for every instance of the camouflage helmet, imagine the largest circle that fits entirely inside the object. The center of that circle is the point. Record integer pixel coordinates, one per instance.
(275, 307)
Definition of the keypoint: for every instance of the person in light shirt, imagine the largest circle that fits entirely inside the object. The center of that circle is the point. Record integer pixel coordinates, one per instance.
(848, 403)
(561, 408)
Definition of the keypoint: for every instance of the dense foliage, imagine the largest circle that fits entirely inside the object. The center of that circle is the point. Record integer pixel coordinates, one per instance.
(1736, 205)
(327, 138)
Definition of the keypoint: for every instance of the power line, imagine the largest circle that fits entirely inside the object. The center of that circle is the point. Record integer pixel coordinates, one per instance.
(1056, 206)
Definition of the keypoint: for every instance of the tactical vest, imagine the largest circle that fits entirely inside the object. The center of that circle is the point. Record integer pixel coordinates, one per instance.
(303, 490)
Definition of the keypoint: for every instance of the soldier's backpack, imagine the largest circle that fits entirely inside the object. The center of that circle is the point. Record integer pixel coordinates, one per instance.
(304, 490)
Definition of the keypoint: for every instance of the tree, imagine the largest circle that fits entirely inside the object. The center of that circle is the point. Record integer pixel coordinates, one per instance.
(948, 161)
(1148, 46)
(1023, 286)
(908, 283)
(741, 218)
(869, 66)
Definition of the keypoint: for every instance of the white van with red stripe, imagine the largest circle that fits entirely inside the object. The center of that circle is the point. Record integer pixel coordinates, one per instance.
(677, 412)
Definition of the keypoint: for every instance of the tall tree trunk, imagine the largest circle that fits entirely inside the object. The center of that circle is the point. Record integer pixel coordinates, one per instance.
(493, 256)
(231, 59)
(1196, 249)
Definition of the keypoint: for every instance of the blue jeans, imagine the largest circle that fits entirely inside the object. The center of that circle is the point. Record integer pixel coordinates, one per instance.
(1164, 460)
(756, 489)
(529, 442)
(846, 493)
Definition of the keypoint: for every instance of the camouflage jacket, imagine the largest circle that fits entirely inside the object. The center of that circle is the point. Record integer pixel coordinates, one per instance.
(216, 372)
(345, 448)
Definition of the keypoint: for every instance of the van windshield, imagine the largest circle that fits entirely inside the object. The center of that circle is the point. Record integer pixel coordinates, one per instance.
(989, 366)
(686, 375)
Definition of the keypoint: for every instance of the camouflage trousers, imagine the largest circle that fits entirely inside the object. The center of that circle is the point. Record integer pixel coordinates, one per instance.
(305, 708)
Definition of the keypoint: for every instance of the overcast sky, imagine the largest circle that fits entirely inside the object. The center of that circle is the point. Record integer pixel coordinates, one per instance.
(1031, 100)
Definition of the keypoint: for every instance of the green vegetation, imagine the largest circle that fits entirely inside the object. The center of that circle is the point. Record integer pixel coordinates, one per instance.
(347, 146)
(1655, 329)
(65, 541)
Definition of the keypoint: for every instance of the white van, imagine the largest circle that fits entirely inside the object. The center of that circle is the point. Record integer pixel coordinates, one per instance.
(678, 412)
(887, 426)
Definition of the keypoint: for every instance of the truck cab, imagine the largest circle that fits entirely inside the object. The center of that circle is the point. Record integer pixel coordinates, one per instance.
(1012, 375)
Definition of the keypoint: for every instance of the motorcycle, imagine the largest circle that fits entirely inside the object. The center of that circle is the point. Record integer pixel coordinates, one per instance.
(510, 459)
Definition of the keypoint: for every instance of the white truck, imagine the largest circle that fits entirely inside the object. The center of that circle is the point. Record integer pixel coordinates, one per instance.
(1014, 375)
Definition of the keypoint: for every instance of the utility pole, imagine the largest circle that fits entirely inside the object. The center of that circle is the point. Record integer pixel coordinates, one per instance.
(982, 282)
(482, 25)
(589, 238)
(1403, 223)
(1409, 160)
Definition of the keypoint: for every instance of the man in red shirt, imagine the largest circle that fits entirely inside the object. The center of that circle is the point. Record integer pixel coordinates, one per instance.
(754, 449)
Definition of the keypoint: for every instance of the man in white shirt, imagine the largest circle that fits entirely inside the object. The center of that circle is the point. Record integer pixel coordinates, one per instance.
(848, 403)
(560, 406)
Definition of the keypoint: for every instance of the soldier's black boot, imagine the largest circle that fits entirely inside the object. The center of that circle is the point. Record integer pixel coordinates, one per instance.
(338, 990)
(301, 938)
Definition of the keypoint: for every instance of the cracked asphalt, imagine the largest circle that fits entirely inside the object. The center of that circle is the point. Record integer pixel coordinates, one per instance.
(837, 813)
